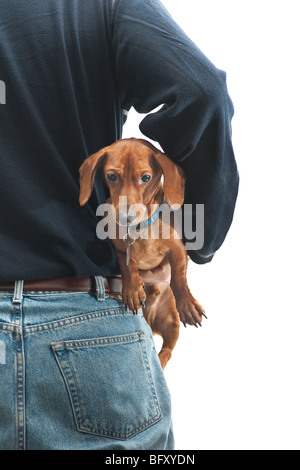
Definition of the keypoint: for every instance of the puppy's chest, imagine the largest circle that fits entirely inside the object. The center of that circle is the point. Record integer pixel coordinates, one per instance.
(148, 255)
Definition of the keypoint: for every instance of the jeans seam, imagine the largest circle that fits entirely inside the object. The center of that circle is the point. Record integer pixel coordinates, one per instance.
(20, 379)
(42, 327)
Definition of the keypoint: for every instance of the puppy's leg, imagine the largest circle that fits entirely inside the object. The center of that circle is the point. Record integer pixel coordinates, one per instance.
(163, 318)
(133, 293)
(168, 329)
(189, 309)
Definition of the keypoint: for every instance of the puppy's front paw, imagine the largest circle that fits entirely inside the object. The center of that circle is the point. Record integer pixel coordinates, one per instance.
(190, 311)
(134, 295)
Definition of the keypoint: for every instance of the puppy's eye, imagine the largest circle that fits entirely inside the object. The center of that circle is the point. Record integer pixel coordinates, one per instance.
(111, 177)
(145, 179)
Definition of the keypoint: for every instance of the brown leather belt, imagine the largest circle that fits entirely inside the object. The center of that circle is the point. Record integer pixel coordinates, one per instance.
(113, 285)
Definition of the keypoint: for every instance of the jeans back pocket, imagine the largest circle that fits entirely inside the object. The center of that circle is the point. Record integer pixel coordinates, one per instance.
(110, 384)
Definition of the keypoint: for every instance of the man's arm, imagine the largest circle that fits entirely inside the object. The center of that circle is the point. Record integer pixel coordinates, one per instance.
(157, 64)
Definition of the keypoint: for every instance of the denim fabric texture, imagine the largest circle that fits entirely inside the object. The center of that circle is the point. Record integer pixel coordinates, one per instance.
(79, 372)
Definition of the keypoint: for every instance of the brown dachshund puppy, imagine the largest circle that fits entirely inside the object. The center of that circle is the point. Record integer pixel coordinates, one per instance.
(134, 168)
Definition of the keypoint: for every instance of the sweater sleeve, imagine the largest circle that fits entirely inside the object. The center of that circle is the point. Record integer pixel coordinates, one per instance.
(157, 65)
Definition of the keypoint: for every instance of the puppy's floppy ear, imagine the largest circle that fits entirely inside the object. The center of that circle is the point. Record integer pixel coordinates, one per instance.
(174, 179)
(87, 173)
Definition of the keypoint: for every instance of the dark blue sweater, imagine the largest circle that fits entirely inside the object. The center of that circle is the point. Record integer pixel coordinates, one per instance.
(69, 69)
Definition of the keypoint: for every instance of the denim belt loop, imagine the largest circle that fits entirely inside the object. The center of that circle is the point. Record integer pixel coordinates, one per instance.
(100, 288)
(18, 292)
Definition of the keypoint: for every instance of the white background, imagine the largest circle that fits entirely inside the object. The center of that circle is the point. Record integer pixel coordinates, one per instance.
(235, 384)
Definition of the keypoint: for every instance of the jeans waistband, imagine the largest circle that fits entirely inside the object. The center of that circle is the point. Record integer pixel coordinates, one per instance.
(98, 284)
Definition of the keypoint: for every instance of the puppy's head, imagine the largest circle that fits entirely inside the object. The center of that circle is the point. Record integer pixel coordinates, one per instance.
(133, 169)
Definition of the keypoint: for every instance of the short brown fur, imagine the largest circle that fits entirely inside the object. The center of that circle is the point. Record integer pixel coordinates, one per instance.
(164, 303)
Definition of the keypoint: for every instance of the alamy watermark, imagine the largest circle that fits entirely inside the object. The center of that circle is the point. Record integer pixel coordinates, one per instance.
(2, 92)
(185, 224)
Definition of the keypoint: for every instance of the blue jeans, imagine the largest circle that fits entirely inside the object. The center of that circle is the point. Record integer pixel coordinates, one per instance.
(79, 372)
